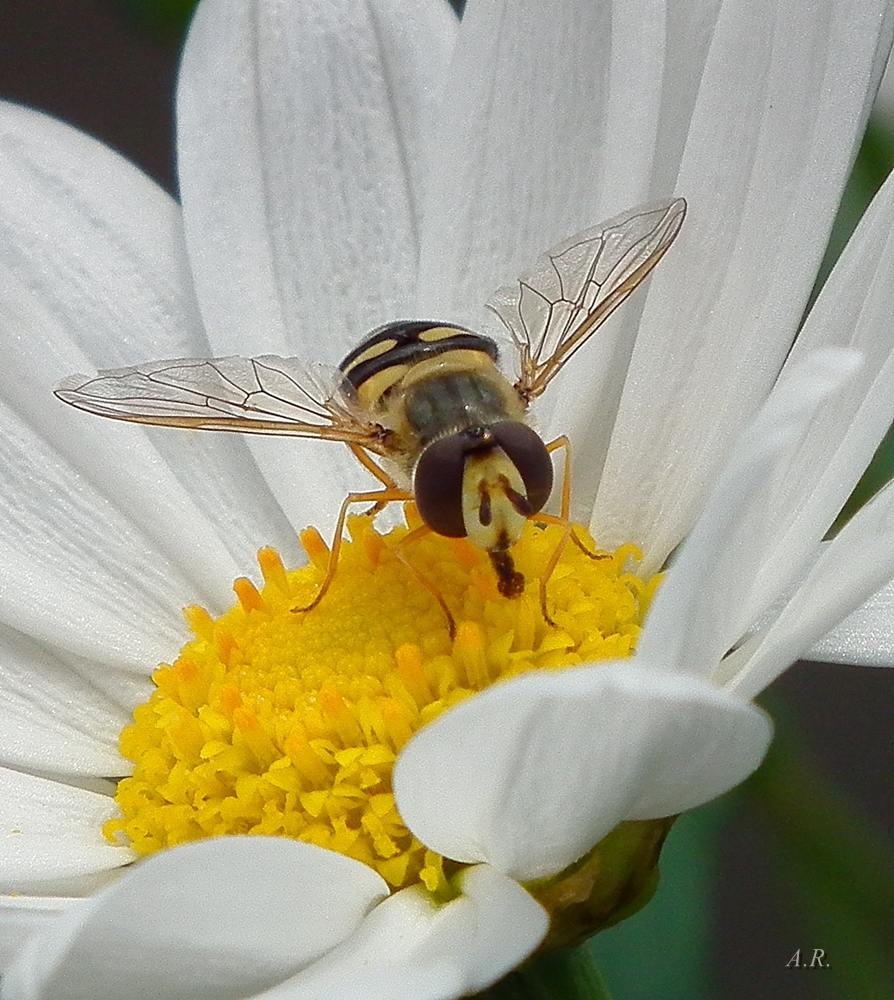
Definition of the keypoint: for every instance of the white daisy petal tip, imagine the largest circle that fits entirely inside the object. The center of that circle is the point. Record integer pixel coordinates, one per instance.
(412, 948)
(224, 917)
(509, 924)
(824, 371)
(866, 636)
(52, 843)
(531, 774)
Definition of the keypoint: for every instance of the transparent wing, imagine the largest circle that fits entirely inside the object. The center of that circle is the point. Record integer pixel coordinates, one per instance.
(573, 289)
(265, 395)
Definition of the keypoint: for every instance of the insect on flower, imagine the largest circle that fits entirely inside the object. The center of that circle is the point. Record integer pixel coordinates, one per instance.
(423, 405)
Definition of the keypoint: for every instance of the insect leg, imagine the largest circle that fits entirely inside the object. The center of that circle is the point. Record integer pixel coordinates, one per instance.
(565, 516)
(371, 465)
(413, 536)
(380, 498)
(564, 521)
(555, 445)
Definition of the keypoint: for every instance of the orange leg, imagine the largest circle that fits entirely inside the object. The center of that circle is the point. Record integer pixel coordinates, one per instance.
(564, 521)
(380, 499)
(563, 442)
(413, 536)
(372, 466)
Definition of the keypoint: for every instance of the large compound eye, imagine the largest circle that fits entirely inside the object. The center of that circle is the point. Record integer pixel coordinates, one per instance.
(440, 472)
(527, 452)
(438, 484)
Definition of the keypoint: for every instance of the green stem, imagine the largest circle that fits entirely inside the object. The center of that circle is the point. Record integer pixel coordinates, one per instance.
(569, 974)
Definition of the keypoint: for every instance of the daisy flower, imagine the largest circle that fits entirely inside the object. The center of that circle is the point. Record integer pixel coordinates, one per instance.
(418, 830)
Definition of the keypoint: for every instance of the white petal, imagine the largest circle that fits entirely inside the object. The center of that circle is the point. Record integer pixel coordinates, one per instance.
(854, 310)
(673, 39)
(298, 135)
(509, 924)
(51, 718)
(542, 93)
(97, 241)
(220, 918)
(172, 494)
(93, 273)
(296, 125)
(23, 916)
(123, 687)
(75, 572)
(850, 569)
(52, 836)
(411, 948)
(690, 29)
(710, 598)
(532, 773)
(781, 106)
(866, 636)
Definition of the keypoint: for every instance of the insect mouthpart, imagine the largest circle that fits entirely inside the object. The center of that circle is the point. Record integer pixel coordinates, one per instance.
(510, 583)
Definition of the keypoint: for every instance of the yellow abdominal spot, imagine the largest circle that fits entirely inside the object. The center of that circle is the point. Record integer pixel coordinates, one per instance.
(272, 722)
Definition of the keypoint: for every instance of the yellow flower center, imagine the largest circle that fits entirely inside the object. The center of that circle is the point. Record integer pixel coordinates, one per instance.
(272, 722)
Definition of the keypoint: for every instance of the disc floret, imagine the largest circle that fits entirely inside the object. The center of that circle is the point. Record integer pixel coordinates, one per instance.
(285, 724)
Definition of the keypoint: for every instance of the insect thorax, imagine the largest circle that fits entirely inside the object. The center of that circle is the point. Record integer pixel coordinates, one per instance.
(450, 402)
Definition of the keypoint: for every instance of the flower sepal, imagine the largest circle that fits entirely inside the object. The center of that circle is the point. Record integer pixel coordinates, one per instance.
(608, 884)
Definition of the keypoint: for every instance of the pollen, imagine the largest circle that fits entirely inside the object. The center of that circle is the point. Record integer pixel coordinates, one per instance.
(288, 724)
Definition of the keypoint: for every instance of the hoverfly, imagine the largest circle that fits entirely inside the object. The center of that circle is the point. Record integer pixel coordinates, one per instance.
(423, 405)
